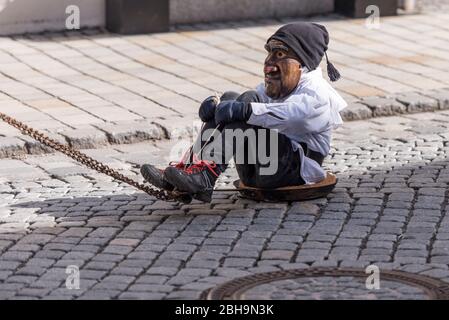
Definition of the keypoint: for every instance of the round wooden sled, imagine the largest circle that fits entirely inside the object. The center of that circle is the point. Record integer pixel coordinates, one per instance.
(291, 193)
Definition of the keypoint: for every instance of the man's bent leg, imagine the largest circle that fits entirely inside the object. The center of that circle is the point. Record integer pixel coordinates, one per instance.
(221, 149)
(288, 164)
(156, 177)
(209, 127)
(238, 140)
(263, 157)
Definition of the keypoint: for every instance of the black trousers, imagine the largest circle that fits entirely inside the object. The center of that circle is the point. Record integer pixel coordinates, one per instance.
(253, 169)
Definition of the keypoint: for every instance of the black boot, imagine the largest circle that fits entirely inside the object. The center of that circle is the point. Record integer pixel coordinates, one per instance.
(198, 179)
(155, 176)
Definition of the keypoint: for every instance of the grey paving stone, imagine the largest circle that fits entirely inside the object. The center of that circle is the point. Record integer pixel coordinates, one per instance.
(148, 279)
(141, 296)
(231, 272)
(11, 146)
(33, 292)
(4, 274)
(21, 279)
(184, 294)
(120, 250)
(180, 280)
(244, 253)
(382, 106)
(282, 246)
(164, 271)
(37, 239)
(416, 102)
(442, 95)
(31, 271)
(238, 262)
(277, 254)
(127, 271)
(104, 232)
(16, 255)
(197, 286)
(85, 137)
(93, 274)
(135, 263)
(9, 264)
(99, 265)
(356, 111)
(202, 272)
(108, 257)
(49, 254)
(131, 132)
(100, 294)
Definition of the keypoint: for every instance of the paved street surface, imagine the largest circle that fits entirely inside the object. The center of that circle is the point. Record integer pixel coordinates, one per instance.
(389, 208)
(93, 88)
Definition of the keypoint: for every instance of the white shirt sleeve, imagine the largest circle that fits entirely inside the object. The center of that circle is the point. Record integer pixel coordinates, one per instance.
(301, 114)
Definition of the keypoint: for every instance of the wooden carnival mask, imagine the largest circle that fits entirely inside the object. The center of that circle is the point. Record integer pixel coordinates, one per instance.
(282, 70)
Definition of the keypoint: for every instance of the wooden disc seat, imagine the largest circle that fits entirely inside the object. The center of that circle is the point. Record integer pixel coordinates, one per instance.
(290, 193)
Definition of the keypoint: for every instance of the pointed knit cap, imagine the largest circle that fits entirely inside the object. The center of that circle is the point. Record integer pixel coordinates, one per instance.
(309, 41)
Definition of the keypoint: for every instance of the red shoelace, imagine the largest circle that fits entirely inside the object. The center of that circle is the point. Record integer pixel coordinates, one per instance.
(196, 166)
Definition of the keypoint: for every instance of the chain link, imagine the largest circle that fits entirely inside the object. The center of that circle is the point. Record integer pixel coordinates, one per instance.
(88, 161)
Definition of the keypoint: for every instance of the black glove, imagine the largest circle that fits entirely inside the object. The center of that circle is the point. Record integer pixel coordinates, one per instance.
(207, 109)
(232, 111)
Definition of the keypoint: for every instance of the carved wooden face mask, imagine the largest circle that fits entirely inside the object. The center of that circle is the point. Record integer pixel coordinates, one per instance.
(282, 70)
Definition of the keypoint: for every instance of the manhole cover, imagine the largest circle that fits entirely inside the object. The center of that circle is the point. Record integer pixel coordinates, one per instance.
(328, 283)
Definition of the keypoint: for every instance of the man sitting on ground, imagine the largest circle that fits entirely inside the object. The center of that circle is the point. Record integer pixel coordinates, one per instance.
(295, 103)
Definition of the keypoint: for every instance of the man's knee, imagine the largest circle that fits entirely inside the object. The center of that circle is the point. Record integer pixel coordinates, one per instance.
(229, 95)
(237, 125)
(249, 96)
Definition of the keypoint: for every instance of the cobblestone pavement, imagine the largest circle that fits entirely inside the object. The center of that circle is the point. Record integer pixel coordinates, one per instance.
(389, 208)
(93, 88)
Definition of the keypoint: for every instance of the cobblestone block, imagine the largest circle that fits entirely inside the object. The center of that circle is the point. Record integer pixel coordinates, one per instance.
(131, 132)
(11, 146)
(381, 106)
(141, 296)
(442, 96)
(85, 137)
(356, 111)
(277, 254)
(417, 103)
(238, 262)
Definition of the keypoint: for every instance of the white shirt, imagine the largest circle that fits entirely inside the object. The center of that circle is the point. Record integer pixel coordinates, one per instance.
(308, 115)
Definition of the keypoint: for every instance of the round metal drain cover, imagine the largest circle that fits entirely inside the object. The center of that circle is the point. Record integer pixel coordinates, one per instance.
(327, 284)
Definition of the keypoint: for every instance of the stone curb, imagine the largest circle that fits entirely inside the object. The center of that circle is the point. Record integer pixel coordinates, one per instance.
(126, 132)
(398, 104)
(85, 137)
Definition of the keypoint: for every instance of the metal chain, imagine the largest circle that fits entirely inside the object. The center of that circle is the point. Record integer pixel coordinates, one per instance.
(88, 161)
